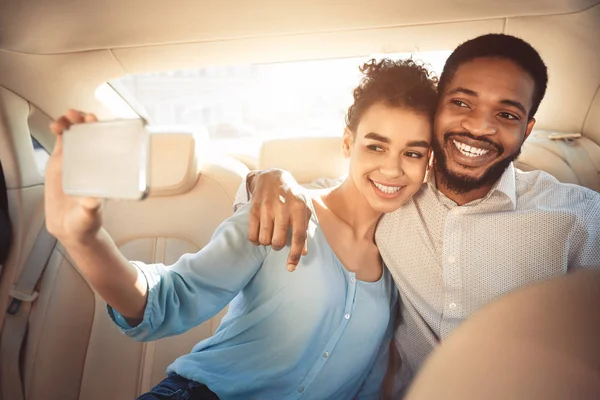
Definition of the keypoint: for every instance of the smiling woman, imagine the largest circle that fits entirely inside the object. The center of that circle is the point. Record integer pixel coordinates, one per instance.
(283, 336)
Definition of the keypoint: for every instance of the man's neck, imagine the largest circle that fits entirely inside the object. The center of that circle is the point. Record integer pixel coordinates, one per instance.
(461, 198)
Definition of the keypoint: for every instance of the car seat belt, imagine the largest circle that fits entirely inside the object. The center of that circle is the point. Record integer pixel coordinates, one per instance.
(5, 225)
(23, 294)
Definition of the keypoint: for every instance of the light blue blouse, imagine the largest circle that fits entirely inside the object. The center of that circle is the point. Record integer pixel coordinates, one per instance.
(316, 333)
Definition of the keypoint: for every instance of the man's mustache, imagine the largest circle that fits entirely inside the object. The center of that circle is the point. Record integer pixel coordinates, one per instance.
(498, 147)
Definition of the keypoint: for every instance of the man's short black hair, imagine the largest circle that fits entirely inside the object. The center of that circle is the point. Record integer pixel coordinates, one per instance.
(505, 47)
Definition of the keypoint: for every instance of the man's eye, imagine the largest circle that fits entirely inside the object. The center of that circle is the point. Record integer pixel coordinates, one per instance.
(414, 154)
(508, 116)
(374, 147)
(459, 103)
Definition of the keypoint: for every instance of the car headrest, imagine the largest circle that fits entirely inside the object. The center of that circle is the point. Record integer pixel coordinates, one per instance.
(306, 158)
(174, 163)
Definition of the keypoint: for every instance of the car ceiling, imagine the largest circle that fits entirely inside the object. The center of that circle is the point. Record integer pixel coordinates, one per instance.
(52, 27)
(55, 54)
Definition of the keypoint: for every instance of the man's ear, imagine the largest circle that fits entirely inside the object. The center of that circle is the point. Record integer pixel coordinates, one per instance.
(429, 159)
(429, 165)
(347, 141)
(529, 128)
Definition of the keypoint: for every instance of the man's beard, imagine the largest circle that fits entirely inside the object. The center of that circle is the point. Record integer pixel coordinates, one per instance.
(460, 183)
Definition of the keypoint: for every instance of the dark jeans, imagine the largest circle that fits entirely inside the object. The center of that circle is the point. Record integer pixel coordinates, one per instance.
(176, 387)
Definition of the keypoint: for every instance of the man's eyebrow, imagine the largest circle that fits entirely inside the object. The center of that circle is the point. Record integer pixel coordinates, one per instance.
(463, 90)
(376, 136)
(515, 104)
(418, 143)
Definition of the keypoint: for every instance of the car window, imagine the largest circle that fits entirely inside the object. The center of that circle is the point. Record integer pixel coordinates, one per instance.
(240, 106)
(41, 156)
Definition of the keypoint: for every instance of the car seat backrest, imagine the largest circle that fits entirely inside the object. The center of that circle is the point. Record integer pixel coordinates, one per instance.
(306, 158)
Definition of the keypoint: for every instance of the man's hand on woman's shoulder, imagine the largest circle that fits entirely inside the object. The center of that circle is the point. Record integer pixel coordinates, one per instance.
(278, 204)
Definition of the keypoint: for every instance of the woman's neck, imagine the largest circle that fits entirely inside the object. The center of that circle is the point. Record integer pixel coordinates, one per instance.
(348, 204)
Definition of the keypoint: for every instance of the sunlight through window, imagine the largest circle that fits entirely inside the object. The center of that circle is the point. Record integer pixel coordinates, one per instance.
(240, 106)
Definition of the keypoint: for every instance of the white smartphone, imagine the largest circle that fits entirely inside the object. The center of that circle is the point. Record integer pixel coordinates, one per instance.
(107, 160)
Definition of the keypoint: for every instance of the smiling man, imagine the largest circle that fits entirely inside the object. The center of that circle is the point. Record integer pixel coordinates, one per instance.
(479, 228)
(488, 97)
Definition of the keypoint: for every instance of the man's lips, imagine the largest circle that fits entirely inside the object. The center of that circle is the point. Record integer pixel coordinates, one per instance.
(471, 153)
(478, 144)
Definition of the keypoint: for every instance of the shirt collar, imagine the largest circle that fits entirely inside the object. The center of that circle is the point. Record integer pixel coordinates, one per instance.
(506, 186)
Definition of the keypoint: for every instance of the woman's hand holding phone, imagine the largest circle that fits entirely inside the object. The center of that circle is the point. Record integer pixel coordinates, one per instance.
(77, 223)
(68, 218)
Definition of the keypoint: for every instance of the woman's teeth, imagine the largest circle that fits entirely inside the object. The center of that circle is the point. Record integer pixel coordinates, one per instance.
(387, 189)
(468, 150)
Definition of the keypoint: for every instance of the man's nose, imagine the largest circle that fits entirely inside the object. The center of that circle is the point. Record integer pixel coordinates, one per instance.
(480, 123)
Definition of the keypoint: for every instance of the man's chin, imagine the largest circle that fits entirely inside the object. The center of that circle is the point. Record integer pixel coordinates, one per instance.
(461, 179)
(460, 183)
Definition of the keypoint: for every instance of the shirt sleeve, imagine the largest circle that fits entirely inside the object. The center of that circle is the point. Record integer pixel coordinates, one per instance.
(198, 285)
(243, 196)
(585, 250)
(372, 388)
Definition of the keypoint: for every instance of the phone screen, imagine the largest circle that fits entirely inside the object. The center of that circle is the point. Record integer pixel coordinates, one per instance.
(106, 160)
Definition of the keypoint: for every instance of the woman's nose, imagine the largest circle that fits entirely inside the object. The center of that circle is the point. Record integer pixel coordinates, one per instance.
(392, 167)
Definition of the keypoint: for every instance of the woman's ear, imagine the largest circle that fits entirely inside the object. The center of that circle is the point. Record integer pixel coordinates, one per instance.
(347, 141)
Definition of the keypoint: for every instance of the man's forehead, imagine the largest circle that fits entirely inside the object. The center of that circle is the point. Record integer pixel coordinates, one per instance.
(494, 78)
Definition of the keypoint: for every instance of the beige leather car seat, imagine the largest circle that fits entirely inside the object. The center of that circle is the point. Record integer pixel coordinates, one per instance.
(573, 161)
(24, 191)
(73, 351)
(307, 159)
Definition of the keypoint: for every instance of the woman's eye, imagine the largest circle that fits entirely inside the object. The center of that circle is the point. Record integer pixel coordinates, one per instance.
(508, 116)
(414, 154)
(374, 147)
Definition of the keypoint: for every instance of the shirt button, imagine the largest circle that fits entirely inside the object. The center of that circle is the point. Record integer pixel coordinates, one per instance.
(300, 389)
(326, 354)
(347, 316)
(452, 305)
(353, 279)
(451, 259)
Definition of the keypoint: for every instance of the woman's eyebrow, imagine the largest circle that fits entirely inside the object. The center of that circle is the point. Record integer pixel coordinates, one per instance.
(418, 143)
(376, 136)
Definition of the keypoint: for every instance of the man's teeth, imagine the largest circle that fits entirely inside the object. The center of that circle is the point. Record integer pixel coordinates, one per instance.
(387, 189)
(468, 150)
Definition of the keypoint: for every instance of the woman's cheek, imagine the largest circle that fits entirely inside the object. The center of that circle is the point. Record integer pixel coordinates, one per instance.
(365, 158)
(417, 170)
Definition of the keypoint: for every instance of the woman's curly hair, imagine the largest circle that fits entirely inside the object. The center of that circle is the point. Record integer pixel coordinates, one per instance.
(400, 83)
